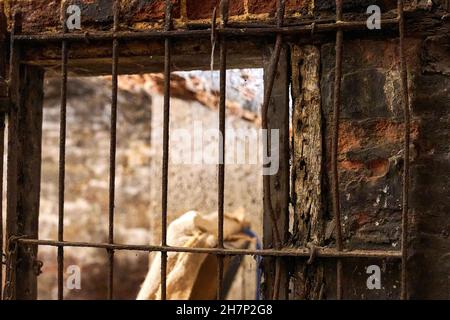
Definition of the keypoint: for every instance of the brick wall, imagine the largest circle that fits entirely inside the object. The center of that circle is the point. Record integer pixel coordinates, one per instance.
(44, 15)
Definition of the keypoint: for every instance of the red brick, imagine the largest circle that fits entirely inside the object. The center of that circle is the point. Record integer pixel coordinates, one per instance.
(144, 10)
(237, 7)
(270, 6)
(36, 15)
(131, 11)
(202, 9)
(262, 6)
(296, 6)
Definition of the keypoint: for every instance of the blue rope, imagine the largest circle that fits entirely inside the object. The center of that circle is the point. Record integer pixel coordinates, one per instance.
(258, 259)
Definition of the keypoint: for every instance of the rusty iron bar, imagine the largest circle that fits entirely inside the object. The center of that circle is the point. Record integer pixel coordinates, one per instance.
(166, 136)
(321, 252)
(407, 141)
(335, 147)
(227, 32)
(224, 6)
(272, 71)
(271, 21)
(9, 292)
(62, 156)
(3, 94)
(16, 24)
(2, 150)
(221, 252)
(113, 147)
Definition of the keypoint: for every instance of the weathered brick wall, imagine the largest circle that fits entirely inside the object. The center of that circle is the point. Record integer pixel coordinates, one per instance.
(430, 197)
(371, 164)
(371, 138)
(44, 15)
(371, 143)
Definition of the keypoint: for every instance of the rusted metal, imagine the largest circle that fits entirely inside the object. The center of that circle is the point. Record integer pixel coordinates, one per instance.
(268, 93)
(204, 33)
(11, 223)
(24, 173)
(321, 252)
(407, 142)
(13, 56)
(166, 136)
(4, 100)
(2, 149)
(225, 31)
(224, 5)
(62, 156)
(272, 70)
(10, 281)
(335, 146)
(113, 147)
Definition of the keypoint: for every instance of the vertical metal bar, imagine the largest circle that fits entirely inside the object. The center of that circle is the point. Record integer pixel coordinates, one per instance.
(24, 168)
(334, 149)
(112, 153)
(222, 139)
(2, 149)
(3, 94)
(407, 141)
(166, 136)
(24, 179)
(25, 91)
(272, 71)
(11, 202)
(62, 157)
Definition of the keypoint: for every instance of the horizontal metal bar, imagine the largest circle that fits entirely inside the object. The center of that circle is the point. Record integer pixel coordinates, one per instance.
(269, 22)
(230, 32)
(286, 252)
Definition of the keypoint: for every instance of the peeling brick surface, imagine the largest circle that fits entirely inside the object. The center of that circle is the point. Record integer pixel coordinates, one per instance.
(261, 6)
(371, 139)
(202, 9)
(37, 14)
(141, 10)
(44, 15)
(270, 7)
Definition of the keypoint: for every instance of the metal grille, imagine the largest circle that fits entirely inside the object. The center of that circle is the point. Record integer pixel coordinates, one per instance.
(221, 33)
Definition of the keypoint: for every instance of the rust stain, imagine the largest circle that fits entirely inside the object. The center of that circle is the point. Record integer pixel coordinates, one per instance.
(378, 168)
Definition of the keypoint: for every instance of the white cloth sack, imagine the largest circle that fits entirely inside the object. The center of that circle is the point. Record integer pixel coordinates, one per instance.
(193, 276)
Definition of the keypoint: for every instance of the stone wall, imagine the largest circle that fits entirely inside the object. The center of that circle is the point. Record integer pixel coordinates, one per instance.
(371, 164)
(431, 171)
(138, 182)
